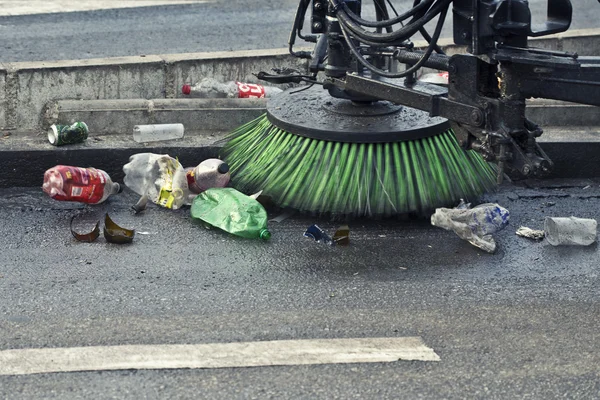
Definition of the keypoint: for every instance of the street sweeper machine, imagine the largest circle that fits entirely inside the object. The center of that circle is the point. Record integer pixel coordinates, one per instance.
(365, 137)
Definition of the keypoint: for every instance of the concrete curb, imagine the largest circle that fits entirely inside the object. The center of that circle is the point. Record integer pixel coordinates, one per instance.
(26, 88)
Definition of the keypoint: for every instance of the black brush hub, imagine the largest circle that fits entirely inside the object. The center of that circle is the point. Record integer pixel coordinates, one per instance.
(315, 114)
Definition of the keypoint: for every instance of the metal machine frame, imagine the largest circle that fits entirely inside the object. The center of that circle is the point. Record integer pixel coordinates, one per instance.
(487, 87)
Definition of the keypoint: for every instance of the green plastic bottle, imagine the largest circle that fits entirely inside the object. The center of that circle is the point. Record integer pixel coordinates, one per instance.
(232, 211)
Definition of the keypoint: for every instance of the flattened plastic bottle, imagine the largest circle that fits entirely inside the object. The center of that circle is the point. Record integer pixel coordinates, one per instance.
(233, 212)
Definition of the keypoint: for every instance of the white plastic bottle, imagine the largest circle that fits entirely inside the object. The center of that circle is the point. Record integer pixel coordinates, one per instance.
(85, 185)
(211, 88)
(210, 173)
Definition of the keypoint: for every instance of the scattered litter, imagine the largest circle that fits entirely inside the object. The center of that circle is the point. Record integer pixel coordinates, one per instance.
(342, 236)
(146, 233)
(288, 212)
(6, 135)
(529, 233)
(232, 211)
(115, 234)
(159, 177)
(382, 236)
(156, 133)
(318, 235)
(84, 185)
(86, 237)
(59, 135)
(549, 204)
(476, 225)
(570, 231)
(212, 88)
(210, 173)
(587, 187)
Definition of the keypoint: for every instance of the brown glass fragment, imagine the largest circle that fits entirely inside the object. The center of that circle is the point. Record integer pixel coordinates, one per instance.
(115, 234)
(342, 236)
(86, 237)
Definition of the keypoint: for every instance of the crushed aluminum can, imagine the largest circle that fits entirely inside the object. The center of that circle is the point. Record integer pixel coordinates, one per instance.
(59, 135)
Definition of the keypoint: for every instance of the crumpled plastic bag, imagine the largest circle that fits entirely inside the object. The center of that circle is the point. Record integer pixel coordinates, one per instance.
(160, 178)
(475, 225)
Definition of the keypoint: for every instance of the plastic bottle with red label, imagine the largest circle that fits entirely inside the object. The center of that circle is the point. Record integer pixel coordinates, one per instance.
(84, 185)
(211, 88)
(211, 173)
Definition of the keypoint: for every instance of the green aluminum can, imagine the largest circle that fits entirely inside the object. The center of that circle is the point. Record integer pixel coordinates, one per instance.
(68, 134)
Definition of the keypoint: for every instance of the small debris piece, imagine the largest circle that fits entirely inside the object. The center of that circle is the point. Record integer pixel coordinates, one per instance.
(140, 205)
(115, 234)
(86, 237)
(342, 236)
(318, 235)
(587, 187)
(529, 233)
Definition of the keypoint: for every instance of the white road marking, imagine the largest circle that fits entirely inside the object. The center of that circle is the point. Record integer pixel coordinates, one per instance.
(214, 355)
(25, 7)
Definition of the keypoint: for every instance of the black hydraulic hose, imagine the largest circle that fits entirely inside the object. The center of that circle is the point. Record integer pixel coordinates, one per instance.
(298, 22)
(403, 33)
(419, 64)
(378, 24)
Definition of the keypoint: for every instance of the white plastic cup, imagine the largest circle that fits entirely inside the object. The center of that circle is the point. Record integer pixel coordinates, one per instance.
(156, 133)
(570, 231)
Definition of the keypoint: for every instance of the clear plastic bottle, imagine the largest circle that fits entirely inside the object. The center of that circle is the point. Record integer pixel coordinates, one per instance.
(211, 88)
(210, 173)
(85, 185)
(155, 133)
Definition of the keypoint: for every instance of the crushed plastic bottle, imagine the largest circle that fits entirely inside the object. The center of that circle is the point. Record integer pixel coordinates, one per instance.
(475, 225)
(233, 212)
(210, 173)
(84, 185)
(158, 177)
(211, 88)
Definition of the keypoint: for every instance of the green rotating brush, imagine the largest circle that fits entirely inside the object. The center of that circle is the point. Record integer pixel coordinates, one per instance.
(324, 155)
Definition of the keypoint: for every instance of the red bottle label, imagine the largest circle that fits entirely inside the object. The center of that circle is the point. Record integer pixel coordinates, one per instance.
(250, 91)
(85, 185)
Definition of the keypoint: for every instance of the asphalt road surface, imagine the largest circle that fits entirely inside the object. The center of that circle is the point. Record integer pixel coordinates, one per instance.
(521, 323)
(212, 26)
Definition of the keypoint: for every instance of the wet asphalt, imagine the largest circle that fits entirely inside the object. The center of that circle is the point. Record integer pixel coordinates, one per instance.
(521, 323)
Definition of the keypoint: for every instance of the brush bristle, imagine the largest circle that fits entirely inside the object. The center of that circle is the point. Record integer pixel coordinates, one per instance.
(354, 179)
